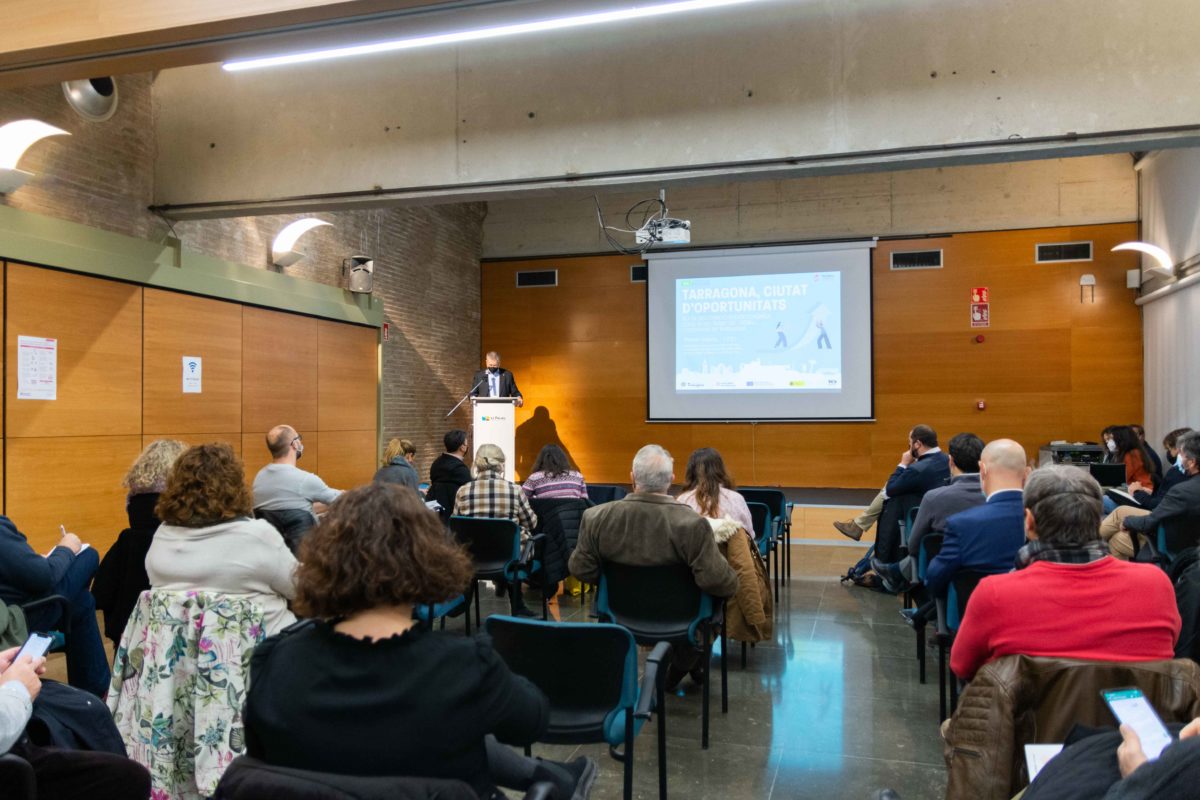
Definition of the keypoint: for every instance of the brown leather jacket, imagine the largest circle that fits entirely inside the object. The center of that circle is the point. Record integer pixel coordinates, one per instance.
(750, 613)
(1019, 700)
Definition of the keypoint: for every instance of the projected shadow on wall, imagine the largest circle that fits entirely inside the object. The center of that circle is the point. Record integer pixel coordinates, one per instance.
(531, 436)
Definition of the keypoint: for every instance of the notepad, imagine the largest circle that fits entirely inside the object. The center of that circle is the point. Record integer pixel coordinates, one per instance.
(1038, 755)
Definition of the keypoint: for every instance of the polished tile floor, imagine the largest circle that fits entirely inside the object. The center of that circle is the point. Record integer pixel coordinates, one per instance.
(831, 709)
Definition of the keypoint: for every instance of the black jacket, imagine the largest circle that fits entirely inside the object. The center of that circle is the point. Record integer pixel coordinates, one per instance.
(73, 719)
(24, 574)
(1150, 500)
(447, 474)
(121, 578)
(1183, 500)
(508, 386)
(558, 518)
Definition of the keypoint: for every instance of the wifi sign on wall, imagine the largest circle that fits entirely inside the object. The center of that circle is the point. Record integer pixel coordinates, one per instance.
(192, 371)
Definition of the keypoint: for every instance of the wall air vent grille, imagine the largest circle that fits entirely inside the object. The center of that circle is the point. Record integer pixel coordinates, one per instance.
(1058, 252)
(538, 277)
(917, 259)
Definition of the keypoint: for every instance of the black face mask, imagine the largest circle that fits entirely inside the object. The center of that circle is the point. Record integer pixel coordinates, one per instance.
(494, 370)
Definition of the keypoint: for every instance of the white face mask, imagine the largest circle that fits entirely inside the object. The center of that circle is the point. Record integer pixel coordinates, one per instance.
(1179, 462)
(1112, 446)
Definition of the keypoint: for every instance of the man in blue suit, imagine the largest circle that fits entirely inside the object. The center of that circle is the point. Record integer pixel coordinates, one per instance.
(986, 538)
(923, 466)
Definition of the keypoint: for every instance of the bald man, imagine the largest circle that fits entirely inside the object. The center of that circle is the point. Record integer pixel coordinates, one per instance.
(292, 496)
(986, 538)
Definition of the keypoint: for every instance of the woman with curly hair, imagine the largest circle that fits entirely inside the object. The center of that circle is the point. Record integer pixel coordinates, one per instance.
(364, 690)
(209, 542)
(121, 578)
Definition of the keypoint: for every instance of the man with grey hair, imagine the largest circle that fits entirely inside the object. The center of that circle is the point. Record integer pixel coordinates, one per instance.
(1067, 597)
(493, 381)
(648, 528)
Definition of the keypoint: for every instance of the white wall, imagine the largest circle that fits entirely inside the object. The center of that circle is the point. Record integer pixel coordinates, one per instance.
(1169, 187)
(829, 82)
(1027, 194)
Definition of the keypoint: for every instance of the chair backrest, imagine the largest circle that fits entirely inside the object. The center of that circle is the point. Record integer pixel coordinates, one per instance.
(909, 518)
(931, 545)
(181, 667)
(774, 499)
(656, 603)
(1178, 534)
(293, 524)
(587, 670)
(250, 779)
(600, 493)
(493, 543)
(961, 586)
(760, 518)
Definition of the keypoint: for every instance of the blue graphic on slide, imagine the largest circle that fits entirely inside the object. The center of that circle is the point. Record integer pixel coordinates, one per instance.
(752, 333)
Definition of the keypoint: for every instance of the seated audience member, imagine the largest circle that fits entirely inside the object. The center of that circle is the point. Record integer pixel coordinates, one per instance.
(1112, 765)
(292, 496)
(1068, 598)
(1149, 497)
(1181, 501)
(985, 538)
(398, 465)
(922, 467)
(648, 528)
(1124, 447)
(491, 495)
(710, 492)
(59, 773)
(363, 690)
(1155, 463)
(208, 542)
(67, 570)
(552, 476)
(122, 575)
(937, 506)
(449, 472)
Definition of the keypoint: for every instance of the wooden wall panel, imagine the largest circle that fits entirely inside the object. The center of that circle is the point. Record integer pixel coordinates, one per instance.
(178, 325)
(234, 440)
(279, 370)
(73, 481)
(1050, 366)
(347, 377)
(348, 458)
(98, 325)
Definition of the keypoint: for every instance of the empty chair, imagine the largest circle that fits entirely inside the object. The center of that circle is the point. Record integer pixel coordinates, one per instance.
(664, 604)
(781, 516)
(589, 672)
(768, 545)
(495, 548)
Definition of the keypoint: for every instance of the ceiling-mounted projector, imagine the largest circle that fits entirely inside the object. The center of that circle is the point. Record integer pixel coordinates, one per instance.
(666, 230)
(649, 224)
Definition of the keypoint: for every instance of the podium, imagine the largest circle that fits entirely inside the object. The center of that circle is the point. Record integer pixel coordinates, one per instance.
(495, 422)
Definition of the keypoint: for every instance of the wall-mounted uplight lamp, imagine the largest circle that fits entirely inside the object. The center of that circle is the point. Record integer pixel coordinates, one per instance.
(15, 138)
(1165, 267)
(283, 249)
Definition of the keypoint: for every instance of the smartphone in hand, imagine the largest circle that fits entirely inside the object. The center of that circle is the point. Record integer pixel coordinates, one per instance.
(1131, 708)
(36, 646)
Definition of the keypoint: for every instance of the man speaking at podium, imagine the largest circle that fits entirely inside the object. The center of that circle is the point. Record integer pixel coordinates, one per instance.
(495, 382)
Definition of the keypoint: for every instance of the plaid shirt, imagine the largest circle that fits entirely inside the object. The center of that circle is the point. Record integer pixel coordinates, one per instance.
(1038, 551)
(489, 496)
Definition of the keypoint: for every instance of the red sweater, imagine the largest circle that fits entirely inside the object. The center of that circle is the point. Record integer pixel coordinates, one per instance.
(1107, 610)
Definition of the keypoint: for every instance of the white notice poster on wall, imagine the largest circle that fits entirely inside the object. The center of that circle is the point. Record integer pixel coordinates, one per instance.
(37, 368)
(192, 370)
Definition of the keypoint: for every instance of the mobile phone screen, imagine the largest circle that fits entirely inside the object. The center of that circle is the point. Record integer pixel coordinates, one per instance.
(36, 646)
(1132, 708)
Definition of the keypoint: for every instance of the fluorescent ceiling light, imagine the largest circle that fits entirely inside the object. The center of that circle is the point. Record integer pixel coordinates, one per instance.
(17, 137)
(556, 24)
(1165, 265)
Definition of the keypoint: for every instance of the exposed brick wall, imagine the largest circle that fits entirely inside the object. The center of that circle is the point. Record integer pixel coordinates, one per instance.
(426, 259)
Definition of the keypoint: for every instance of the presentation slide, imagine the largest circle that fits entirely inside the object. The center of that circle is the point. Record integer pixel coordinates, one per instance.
(759, 333)
(773, 333)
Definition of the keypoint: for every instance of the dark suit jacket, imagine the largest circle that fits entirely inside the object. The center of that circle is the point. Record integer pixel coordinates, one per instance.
(651, 530)
(928, 472)
(985, 538)
(508, 386)
(446, 474)
(940, 504)
(24, 574)
(1150, 500)
(1183, 500)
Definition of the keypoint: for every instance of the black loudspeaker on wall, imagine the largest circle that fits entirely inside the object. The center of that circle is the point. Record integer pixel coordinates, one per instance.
(361, 269)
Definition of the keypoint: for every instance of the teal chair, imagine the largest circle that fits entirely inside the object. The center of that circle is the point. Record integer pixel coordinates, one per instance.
(589, 672)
